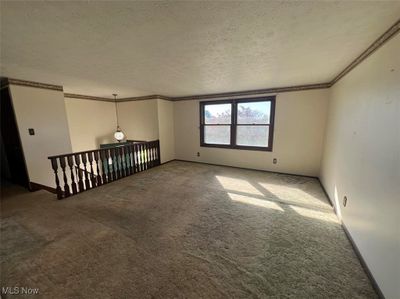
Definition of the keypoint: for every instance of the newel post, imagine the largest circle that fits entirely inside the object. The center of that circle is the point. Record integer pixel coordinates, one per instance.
(158, 153)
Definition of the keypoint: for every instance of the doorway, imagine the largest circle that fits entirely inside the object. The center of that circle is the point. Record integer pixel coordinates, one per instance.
(13, 166)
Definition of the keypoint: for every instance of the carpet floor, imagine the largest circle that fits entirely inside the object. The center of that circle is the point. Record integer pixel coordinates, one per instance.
(181, 230)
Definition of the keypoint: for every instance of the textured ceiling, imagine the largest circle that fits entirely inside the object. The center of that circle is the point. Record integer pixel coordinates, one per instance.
(186, 48)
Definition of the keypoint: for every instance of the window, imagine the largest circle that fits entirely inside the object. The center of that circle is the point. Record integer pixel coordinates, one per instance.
(240, 124)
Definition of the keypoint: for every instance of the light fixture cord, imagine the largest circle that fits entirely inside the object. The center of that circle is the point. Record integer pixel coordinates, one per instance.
(116, 109)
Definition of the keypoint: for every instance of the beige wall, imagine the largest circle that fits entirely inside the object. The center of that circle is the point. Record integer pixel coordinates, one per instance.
(166, 130)
(362, 161)
(298, 137)
(91, 123)
(139, 119)
(44, 111)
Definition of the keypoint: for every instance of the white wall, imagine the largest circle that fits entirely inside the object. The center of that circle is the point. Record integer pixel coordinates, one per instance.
(44, 111)
(362, 161)
(166, 130)
(91, 123)
(298, 137)
(139, 119)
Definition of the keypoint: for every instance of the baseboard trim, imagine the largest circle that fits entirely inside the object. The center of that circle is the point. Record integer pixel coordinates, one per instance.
(169, 161)
(36, 187)
(244, 168)
(356, 250)
(363, 263)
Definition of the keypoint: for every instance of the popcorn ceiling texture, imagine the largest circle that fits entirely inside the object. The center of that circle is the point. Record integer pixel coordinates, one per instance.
(181, 230)
(184, 48)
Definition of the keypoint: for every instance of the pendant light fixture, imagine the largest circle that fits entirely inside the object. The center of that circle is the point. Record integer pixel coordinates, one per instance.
(119, 135)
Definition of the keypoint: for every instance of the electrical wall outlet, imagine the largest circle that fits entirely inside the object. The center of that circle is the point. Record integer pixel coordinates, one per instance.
(275, 160)
(345, 201)
(198, 154)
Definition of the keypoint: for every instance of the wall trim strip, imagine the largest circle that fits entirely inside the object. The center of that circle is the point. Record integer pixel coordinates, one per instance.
(252, 169)
(391, 32)
(142, 98)
(12, 81)
(86, 97)
(36, 187)
(385, 37)
(253, 92)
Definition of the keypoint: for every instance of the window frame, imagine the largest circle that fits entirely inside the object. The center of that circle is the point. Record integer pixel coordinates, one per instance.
(233, 125)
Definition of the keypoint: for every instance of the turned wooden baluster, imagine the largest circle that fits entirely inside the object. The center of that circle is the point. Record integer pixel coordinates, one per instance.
(97, 161)
(144, 156)
(148, 155)
(84, 171)
(121, 164)
(132, 151)
(92, 175)
(151, 154)
(136, 157)
(141, 155)
(79, 172)
(134, 163)
(104, 164)
(114, 163)
(118, 162)
(128, 160)
(109, 166)
(124, 162)
(54, 165)
(135, 160)
(154, 154)
(70, 160)
(66, 186)
(147, 149)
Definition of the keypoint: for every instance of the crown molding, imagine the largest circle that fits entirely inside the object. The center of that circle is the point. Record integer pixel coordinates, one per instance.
(385, 37)
(142, 98)
(253, 92)
(391, 32)
(209, 96)
(12, 81)
(86, 97)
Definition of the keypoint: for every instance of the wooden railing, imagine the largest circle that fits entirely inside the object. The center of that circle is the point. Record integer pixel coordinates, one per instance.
(81, 171)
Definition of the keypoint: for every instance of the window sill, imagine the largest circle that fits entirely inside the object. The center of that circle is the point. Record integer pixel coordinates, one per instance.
(239, 147)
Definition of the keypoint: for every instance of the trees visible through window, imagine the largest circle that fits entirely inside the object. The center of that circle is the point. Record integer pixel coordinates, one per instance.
(241, 124)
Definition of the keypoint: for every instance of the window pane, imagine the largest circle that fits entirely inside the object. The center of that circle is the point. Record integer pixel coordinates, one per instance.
(217, 114)
(217, 134)
(254, 112)
(252, 135)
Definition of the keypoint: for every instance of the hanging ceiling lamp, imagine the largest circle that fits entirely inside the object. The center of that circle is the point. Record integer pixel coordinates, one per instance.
(119, 135)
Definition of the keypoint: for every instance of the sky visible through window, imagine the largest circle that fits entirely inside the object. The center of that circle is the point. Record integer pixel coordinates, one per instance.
(250, 126)
(248, 113)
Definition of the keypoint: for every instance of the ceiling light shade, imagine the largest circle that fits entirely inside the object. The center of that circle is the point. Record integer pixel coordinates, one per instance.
(119, 135)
